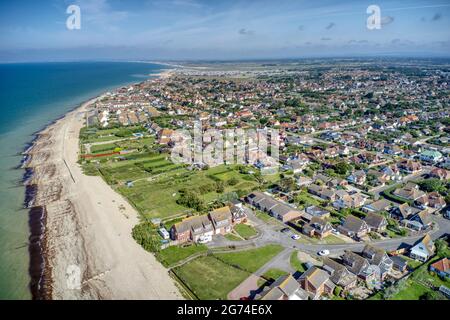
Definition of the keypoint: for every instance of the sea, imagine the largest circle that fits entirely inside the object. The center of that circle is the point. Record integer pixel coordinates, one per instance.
(32, 96)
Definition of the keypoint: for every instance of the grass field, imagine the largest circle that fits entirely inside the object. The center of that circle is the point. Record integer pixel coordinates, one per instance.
(245, 231)
(250, 260)
(156, 196)
(209, 278)
(174, 254)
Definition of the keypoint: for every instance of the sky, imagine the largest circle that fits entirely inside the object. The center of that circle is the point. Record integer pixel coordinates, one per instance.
(220, 30)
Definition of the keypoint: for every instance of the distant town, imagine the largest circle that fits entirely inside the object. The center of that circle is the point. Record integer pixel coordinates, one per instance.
(357, 207)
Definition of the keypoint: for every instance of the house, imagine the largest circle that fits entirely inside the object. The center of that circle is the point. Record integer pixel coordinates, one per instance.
(441, 267)
(440, 174)
(410, 167)
(357, 177)
(399, 264)
(358, 265)
(221, 219)
(285, 288)
(276, 208)
(349, 201)
(317, 227)
(419, 221)
(376, 222)
(339, 274)
(409, 192)
(303, 181)
(354, 227)
(316, 211)
(432, 156)
(237, 212)
(316, 282)
(392, 172)
(432, 200)
(284, 212)
(378, 257)
(377, 206)
(423, 249)
(403, 211)
(322, 192)
(192, 228)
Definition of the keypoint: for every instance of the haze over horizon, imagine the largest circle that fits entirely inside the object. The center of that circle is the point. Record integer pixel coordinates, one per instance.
(221, 30)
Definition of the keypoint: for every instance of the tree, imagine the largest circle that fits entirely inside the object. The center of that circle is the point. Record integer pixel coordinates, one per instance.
(432, 185)
(287, 184)
(342, 168)
(431, 295)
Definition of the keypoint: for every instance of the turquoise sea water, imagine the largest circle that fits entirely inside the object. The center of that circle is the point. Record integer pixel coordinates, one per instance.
(32, 95)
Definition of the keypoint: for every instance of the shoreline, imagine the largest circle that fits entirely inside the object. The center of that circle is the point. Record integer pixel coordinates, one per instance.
(65, 224)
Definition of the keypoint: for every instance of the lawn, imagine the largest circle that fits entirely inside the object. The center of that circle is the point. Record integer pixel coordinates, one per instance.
(305, 199)
(209, 278)
(251, 260)
(232, 237)
(245, 231)
(332, 239)
(413, 291)
(296, 263)
(174, 254)
(270, 276)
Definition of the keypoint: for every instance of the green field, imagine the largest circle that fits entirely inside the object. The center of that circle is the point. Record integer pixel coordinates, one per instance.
(175, 254)
(250, 260)
(245, 231)
(214, 276)
(156, 195)
(209, 278)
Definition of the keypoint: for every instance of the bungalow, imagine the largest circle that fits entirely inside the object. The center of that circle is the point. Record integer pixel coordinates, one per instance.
(409, 192)
(441, 267)
(285, 288)
(423, 249)
(376, 222)
(339, 274)
(317, 227)
(284, 212)
(221, 219)
(354, 227)
(322, 192)
(303, 181)
(357, 177)
(316, 282)
(377, 206)
(317, 212)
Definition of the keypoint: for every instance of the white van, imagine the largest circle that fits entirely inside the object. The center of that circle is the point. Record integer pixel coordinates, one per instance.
(204, 239)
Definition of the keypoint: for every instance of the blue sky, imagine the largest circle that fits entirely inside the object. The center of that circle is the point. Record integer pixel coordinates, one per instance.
(214, 29)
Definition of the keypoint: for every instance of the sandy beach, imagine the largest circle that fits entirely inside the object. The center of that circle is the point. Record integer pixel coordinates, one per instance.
(88, 226)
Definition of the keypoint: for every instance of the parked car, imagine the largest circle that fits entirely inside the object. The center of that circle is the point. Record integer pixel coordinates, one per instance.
(204, 239)
(334, 231)
(285, 230)
(295, 236)
(323, 252)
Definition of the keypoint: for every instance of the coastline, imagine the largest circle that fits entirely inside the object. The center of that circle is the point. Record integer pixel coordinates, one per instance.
(79, 221)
